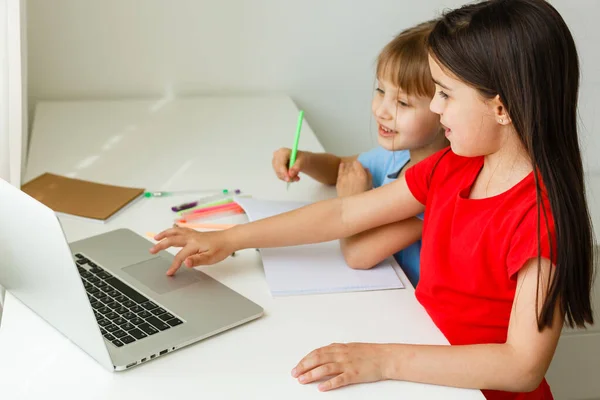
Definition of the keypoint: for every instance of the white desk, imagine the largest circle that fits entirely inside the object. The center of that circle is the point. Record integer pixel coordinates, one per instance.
(211, 143)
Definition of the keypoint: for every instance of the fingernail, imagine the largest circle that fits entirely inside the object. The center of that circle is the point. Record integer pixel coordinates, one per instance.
(321, 386)
(302, 379)
(294, 372)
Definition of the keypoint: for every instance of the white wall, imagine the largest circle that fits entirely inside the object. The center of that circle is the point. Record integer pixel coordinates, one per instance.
(321, 52)
(13, 77)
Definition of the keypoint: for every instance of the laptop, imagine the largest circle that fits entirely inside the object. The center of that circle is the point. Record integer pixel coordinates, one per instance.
(107, 293)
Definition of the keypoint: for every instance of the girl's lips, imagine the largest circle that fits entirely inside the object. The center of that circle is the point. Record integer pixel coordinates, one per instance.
(385, 132)
(447, 131)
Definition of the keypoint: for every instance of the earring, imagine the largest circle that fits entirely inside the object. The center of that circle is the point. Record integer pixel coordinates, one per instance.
(501, 120)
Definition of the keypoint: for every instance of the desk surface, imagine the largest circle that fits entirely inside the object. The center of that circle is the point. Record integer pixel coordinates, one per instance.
(210, 143)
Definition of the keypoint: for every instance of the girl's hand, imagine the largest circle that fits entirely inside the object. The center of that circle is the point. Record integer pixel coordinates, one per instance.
(345, 363)
(352, 179)
(198, 248)
(281, 161)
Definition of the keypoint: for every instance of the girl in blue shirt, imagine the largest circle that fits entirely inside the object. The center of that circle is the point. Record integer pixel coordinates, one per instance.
(408, 132)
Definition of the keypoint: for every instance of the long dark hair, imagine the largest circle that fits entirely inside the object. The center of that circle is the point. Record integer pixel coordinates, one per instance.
(523, 52)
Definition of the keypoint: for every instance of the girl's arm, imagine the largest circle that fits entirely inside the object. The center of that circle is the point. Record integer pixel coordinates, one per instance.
(366, 249)
(322, 167)
(319, 222)
(518, 365)
(330, 219)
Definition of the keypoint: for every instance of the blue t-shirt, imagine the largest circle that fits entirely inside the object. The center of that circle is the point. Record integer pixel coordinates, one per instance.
(385, 166)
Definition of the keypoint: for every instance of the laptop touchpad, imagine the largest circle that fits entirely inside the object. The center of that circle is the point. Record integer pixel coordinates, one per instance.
(152, 273)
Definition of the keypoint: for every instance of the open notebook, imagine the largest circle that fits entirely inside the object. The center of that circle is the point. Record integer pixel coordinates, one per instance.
(314, 268)
(80, 199)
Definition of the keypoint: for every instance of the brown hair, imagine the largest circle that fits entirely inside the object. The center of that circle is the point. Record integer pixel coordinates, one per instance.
(404, 61)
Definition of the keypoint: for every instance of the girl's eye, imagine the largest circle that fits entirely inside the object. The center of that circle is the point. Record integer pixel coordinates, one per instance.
(403, 103)
(380, 91)
(443, 95)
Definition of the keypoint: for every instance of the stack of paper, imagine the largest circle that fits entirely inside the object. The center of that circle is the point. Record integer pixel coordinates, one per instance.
(315, 268)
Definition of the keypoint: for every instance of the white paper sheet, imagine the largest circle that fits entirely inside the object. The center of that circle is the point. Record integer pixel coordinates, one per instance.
(315, 268)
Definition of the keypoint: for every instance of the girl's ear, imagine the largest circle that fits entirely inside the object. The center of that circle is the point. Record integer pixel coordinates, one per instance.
(500, 113)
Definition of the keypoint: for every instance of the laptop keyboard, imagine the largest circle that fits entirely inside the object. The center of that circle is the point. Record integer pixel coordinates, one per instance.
(123, 314)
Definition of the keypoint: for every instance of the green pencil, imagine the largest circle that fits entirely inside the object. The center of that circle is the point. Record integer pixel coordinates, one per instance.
(296, 140)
